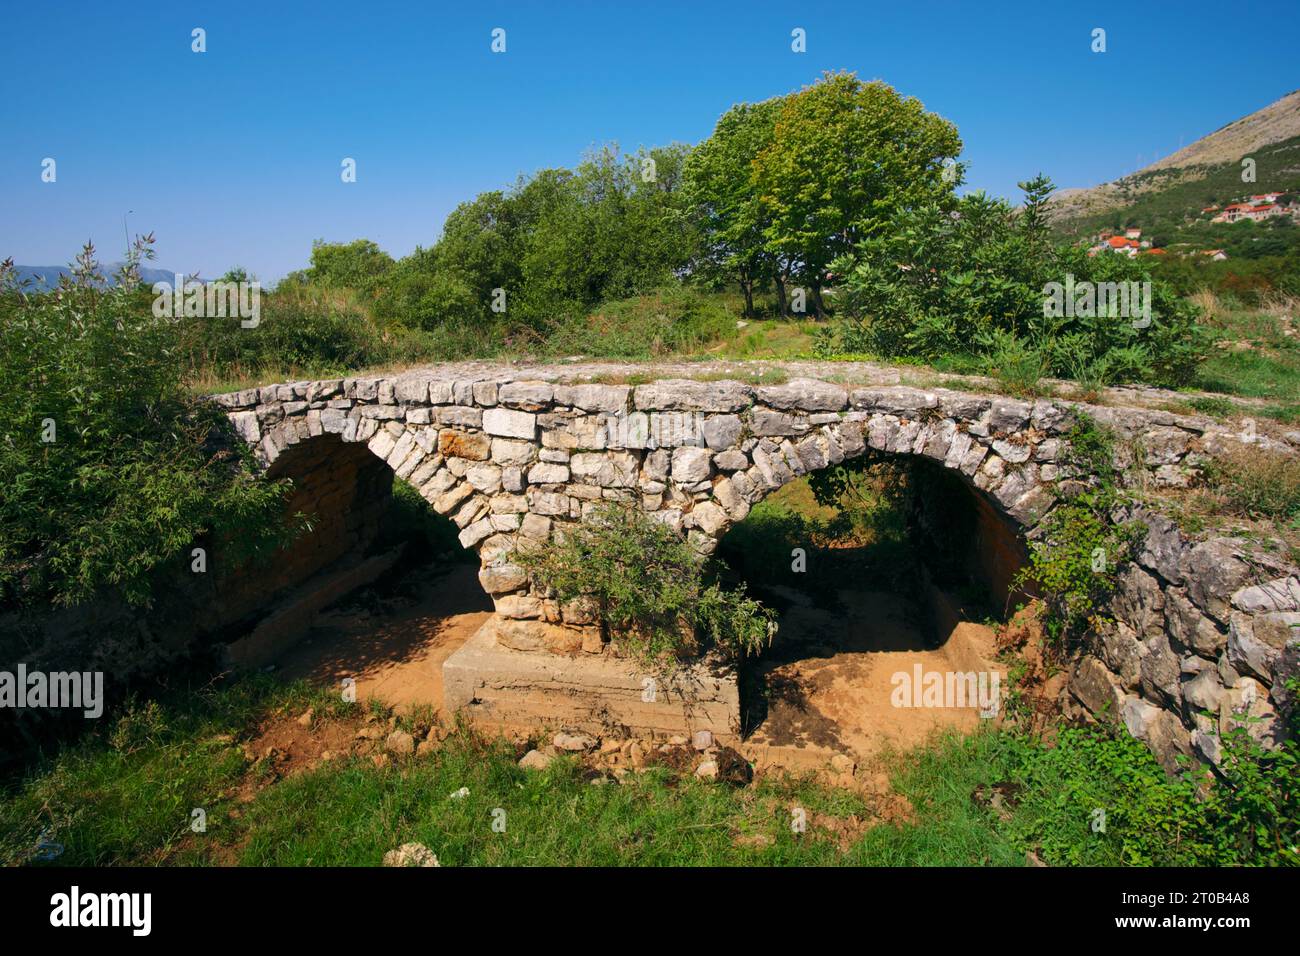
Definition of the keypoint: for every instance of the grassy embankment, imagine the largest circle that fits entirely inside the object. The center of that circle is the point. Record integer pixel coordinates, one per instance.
(126, 793)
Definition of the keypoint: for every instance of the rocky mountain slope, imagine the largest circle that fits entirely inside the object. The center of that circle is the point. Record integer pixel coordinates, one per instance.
(1262, 130)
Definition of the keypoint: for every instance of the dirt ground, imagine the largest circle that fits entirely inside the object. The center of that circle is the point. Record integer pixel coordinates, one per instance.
(394, 645)
(829, 680)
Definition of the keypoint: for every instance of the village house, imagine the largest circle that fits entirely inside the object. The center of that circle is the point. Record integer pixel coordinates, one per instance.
(1259, 207)
(1129, 244)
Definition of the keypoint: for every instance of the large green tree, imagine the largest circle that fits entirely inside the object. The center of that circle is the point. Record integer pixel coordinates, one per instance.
(557, 242)
(846, 157)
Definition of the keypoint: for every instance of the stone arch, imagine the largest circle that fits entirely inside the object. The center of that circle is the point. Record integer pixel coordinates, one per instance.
(511, 454)
(1001, 449)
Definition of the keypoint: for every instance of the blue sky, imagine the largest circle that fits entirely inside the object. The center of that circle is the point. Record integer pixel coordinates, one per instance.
(233, 156)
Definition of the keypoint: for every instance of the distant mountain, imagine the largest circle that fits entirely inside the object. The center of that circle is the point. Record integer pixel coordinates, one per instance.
(1207, 171)
(47, 277)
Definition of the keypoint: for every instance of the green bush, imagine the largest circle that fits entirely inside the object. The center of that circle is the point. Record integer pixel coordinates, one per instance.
(1098, 798)
(359, 264)
(304, 328)
(109, 470)
(647, 587)
(1259, 802)
(973, 274)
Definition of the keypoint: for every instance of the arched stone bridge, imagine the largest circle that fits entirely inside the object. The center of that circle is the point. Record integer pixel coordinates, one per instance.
(510, 454)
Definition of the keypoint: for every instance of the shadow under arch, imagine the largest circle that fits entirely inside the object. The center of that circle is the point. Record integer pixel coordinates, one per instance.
(879, 557)
(365, 529)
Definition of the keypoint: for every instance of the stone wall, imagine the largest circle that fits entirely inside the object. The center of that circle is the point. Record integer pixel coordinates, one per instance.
(1202, 641)
(510, 456)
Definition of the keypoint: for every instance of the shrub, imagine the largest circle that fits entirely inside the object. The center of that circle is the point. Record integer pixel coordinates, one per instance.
(1016, 365)
(359, 264)
(422, 298)
(109, 470)
(647, 586)
(1259, 801)
(1074, 559)
(305, 328)
(673, 319)
(973, 273)
(1149, 817)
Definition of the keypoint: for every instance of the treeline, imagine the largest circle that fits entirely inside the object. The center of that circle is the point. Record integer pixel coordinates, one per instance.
(778, 191)
(837, 202)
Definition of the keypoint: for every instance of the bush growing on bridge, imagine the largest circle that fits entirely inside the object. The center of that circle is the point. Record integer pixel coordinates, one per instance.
(108, 469)
(648, 587)
(1073, 562)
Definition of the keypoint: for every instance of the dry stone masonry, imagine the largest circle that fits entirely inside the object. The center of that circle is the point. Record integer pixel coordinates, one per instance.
(1203, 628)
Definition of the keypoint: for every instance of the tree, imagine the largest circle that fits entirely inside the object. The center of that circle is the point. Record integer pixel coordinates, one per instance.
(845, 158)
(359, 264)
(974, 279)
(723, 202)
(614, 228)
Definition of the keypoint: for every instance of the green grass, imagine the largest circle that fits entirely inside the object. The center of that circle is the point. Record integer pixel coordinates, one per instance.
(770, 339)
(1253, 375)
(124, 794)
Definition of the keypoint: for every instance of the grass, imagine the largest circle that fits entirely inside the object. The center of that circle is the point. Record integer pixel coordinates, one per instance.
(1255, 483)
(772, 339)
(1253, 375)
(1258, 354)
(125, 794)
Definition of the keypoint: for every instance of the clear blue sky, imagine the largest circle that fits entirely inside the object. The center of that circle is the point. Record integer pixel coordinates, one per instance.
(232, 156)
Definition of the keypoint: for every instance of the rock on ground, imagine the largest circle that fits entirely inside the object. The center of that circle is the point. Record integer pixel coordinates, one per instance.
(411, 854)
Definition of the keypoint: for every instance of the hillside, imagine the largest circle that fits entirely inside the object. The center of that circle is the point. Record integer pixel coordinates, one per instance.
(1207, 171)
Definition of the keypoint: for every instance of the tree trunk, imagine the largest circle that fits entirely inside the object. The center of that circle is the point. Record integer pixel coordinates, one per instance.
(780, 294)
(747, 287)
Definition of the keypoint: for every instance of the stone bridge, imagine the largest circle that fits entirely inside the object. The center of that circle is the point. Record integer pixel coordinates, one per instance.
(512, 455)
